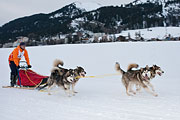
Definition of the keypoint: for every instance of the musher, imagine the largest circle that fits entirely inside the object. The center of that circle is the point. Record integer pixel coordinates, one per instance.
(14, 59)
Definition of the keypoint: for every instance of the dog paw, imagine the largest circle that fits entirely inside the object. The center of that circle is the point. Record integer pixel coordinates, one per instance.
(75, 92)
(132, 92)
(155, 95)
(129, 94)
(137, 90)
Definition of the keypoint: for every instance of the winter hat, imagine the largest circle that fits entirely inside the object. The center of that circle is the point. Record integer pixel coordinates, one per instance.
(22, 43)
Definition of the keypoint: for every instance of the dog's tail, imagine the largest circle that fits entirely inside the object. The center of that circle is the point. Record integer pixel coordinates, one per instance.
(58, 62)
(118, 68)
(131, 66)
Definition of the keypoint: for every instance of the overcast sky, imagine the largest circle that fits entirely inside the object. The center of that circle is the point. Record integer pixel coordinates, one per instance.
(12, 9)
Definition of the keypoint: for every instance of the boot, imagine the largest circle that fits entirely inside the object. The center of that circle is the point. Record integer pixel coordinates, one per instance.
(13, 80)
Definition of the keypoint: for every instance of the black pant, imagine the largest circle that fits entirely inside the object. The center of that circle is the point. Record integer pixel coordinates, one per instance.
(13, 67)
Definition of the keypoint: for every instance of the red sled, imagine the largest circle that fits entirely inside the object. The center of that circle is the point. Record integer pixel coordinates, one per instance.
(31, 78)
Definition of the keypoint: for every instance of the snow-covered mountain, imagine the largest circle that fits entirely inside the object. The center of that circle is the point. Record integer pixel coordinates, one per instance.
(75, 9)
(87, 6)
(142, 14)
(91, 16)
(168, 6)
(69, 11)
(150, 1)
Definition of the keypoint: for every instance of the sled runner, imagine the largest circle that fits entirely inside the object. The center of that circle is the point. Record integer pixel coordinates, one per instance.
(18, 87)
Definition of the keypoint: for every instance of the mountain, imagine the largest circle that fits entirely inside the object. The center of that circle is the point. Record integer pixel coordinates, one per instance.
(73, 10)
(136, 15)
(79, 17)
(44, 24)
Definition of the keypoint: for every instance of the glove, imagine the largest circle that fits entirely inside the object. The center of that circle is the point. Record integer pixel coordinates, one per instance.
(29, 66)
(18, 67)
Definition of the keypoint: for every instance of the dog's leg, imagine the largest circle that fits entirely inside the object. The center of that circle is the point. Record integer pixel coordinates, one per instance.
(150, 85)
(130, 88)
(50, 83)
(127, 90)
(49, 87)
(71, 90)
(138, 88)
(49, 90)
(149, 91)
(67, 90)
(73, 85)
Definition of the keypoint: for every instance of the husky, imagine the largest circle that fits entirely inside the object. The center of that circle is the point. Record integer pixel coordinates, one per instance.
(61, 79)
(79, 72)
(134, 77)
(64, 78)
(154, 70)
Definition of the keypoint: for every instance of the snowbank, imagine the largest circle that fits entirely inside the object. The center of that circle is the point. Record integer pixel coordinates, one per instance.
(156, 32)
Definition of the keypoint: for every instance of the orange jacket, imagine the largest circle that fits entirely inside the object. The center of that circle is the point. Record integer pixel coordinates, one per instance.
(17, 54)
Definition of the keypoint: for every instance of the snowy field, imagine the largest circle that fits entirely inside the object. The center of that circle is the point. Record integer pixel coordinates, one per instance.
(98, 98)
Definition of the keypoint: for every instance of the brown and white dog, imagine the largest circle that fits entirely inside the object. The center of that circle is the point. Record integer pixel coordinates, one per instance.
(154, 70)
(134, 77)
(61, 79)
(64, 78)
(79, 73)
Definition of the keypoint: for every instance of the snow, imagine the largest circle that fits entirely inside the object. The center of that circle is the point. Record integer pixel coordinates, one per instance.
(173, 8)
(84, 6)
(57, 15)
(76, 23)
(88, 5)
(145, 1)
(98, 98)
(155, 32)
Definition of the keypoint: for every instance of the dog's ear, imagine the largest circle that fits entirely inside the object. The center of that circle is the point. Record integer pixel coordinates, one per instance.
(141, 69)
(68, 73)
(147, 67)
(154, 66)
(71, 70)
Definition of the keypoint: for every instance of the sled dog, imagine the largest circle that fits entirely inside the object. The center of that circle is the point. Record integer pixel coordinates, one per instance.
(61, 79)
(65, 78)
(134, 77)
(154, 70)
(79, 73)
